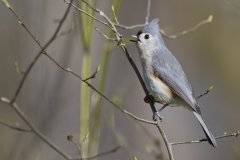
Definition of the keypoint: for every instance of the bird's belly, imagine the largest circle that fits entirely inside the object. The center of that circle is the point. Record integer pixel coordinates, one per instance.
(158, 89)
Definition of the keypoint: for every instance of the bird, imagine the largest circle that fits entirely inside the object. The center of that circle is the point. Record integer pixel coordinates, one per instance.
(163, 75)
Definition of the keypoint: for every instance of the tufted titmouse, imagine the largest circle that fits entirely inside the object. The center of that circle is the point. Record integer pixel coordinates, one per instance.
(164, 76)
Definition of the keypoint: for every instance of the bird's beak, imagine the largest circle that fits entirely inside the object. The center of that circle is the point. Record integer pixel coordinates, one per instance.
(135, 39)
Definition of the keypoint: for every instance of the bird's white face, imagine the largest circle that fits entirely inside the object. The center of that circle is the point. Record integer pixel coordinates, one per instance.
(146, 42)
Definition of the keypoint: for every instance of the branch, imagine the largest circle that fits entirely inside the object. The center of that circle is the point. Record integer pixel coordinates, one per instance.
(33, 128)
(93, 75)
(100, 93)
(15, 127)
(104, 35)
(36, 58)
(225, 135)
(148, 12)
(195, 27)
(71, 139)
(205, 93)
(43, 48)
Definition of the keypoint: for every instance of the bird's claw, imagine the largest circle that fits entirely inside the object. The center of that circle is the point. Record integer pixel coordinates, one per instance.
(149, 98)
(157, 116)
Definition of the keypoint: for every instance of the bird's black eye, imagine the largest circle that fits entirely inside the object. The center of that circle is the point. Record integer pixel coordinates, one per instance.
(140, 32)
(146, 36)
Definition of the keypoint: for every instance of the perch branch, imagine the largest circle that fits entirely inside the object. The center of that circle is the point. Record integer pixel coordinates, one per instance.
(225, 135)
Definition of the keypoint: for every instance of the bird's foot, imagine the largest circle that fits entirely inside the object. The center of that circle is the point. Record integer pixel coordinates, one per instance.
(149, 98)
(157, 116)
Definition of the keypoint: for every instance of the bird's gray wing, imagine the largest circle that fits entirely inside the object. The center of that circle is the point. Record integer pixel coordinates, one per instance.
(168, 69)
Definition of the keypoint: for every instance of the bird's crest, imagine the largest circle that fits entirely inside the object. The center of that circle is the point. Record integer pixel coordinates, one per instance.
(152, 27)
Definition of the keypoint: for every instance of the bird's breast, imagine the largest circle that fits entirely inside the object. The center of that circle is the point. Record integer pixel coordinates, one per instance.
(160, 91)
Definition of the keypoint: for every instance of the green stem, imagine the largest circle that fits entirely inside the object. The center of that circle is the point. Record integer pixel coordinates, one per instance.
(85, 98)
(95, 127)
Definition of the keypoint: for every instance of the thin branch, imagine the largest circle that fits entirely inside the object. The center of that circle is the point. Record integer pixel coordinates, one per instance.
(104, 35)
(17, 128)
(33, 128)
(167, 143)
(70, 138)
(195, 27)
(93, 75)
(148, 12)
(100, 93)
(129, 27)
(12, 101)
(98, 20)
(225, 135)
(205, 93)
(114, 15)
(63, 33)
(43, 48)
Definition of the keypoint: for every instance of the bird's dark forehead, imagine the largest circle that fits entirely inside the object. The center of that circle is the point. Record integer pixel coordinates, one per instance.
(139, 32)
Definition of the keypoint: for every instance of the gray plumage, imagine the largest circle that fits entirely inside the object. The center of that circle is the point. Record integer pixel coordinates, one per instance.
(164, 76)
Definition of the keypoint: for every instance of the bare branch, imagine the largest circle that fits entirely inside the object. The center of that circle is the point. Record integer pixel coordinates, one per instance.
(104, 35)
(195, 27)
(205, 93)
(33, 128)
(70, 138)
(12, 102)
(43, 48)
(17, 128)
(93, 75)
(129, 27)
(93, 17)
(148, 12)
(225, 135)
(100, 93)
(114, 15)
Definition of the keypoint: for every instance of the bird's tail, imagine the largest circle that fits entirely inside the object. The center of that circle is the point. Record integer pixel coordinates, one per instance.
(209, 135)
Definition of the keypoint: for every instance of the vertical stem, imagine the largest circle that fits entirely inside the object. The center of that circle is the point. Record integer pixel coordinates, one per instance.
(95, 128)
(85, 98)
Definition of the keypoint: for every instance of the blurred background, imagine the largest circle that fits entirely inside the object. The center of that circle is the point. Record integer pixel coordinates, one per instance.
(53, 99)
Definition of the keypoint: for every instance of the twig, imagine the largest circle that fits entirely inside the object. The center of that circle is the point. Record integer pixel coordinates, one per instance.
(225, 135)
(167, 143)
(195, 27)
(100, 93)
(129, 27)
(43, 48)
(100, 21)
(148, 12)
(33, 128)
(70, 138)
(15, 127)
(114, 15)
(205, 93)
(93, 75)
(104, 35)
